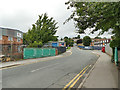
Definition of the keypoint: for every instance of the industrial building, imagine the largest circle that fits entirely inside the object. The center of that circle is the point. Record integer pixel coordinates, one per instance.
(11, 41)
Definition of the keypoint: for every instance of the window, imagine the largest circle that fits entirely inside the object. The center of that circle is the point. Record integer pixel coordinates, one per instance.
(0, 37)
(10, 38)
(18, 39)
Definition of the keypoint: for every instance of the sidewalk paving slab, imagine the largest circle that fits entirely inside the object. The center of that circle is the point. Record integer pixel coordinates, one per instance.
(103, 75)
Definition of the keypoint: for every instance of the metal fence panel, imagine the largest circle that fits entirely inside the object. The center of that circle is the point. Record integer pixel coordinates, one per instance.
(81, 46)
(28, 53)
(52, 52)
(93, 47)
(38, 52)
(61, 49)
(97, 47)
(46, 52)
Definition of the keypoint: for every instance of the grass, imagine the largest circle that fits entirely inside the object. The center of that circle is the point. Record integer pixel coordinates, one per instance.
(68, 48)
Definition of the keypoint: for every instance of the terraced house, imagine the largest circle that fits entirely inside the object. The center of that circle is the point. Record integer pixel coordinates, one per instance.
(11, 41)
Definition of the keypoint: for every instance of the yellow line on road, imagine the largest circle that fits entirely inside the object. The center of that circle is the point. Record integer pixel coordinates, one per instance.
(74, 78)
(77, 79)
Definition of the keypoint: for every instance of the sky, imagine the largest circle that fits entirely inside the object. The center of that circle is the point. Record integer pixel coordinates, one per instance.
(21, 14)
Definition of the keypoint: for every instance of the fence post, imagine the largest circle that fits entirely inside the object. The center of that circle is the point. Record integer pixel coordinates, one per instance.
(42, 51)
(49, 52)
(116, 56)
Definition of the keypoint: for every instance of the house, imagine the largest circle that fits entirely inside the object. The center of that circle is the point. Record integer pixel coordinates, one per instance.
(100, 42)
(10, 42)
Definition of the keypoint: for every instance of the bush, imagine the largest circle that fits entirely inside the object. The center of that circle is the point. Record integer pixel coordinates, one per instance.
(36, 44)
(86, 41)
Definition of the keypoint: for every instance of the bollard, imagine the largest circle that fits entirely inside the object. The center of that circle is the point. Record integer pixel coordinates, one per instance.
(116, 56)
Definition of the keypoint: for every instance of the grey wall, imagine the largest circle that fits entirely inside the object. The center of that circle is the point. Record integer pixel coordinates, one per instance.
(108, 49)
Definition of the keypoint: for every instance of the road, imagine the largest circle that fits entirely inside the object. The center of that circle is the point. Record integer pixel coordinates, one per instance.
(55, 73)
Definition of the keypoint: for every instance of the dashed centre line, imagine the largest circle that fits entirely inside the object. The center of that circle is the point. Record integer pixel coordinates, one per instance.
(44, 67)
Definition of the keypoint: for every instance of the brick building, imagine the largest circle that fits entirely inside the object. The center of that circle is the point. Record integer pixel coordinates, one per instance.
(100, 42)
(11, 41)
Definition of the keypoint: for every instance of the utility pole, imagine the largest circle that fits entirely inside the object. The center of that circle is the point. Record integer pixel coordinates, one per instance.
(11, 49)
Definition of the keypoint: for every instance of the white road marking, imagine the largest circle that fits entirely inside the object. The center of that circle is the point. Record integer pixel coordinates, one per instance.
(44, 67)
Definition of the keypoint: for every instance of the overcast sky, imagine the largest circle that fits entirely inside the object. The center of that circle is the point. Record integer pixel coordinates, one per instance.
(21, 14)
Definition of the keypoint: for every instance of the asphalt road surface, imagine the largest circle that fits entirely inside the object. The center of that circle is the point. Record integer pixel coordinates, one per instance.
(54, 73)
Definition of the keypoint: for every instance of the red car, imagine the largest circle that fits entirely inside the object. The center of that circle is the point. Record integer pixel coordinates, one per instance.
(103, 49)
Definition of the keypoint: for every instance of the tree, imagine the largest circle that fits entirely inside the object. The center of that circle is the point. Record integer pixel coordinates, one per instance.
(61, 39)
(86, 41)
(36, 44)
(65, 37)
(42, 31)
(25, 39)
(79, 41)
(99, 16)
(69, 41)
(97, 37)
(78, 37)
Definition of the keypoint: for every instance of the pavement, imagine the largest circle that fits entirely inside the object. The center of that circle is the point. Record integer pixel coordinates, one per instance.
(50, 73)
(104, 74)
(30, 61)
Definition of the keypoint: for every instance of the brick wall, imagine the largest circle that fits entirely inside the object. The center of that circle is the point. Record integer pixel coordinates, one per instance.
(15, 50)
(0, 41)
(6, 41)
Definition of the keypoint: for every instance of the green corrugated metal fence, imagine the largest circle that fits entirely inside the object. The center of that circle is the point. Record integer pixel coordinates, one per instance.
(38, 52)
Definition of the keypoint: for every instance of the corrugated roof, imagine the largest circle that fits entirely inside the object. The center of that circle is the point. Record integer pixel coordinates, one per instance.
(11, 29)
(11, 32)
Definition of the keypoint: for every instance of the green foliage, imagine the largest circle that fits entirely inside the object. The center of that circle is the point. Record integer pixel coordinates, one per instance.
(68, 48)
(78, 37)
(69, 41)
(97, 15)
(97, 37)
(61, 39)
(25, 38)
(86, 41)
(42, 31)
(65, 37)
(36, 44)
(115, 43)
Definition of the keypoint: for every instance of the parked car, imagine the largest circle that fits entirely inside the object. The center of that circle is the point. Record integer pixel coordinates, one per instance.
(103, 49)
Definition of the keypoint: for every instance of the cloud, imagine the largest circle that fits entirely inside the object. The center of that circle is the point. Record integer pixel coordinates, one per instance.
(21, 14)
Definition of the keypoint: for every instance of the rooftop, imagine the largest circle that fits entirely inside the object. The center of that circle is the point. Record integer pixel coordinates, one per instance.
(10, 29)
